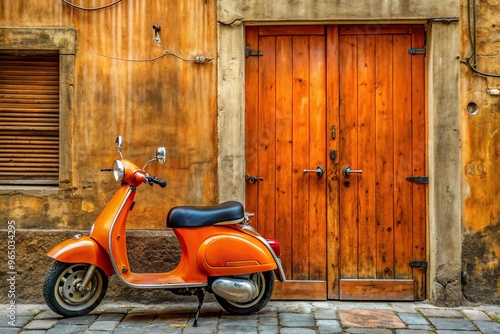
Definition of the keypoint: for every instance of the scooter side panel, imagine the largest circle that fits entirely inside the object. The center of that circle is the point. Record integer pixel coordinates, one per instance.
(82, 250)
(234, 254)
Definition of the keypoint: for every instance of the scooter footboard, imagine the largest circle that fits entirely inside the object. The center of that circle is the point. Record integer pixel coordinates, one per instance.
(234, 254)
(82, 250)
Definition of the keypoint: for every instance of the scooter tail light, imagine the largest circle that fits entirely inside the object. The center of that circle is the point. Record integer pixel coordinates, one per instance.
(275, 245)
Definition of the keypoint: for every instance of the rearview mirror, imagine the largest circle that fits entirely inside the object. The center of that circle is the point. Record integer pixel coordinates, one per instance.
(161, 155)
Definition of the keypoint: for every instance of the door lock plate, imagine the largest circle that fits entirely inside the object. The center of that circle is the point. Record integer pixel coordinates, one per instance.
(333, 154)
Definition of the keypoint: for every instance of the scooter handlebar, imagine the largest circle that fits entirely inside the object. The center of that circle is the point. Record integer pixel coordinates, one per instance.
(153, 179)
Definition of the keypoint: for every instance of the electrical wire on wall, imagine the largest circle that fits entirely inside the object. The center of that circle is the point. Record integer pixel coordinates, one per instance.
(239, 20)
(197, 59)
(90, 8)
(472, 12)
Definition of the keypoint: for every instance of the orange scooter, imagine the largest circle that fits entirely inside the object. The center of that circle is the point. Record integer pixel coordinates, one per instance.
(220, 253)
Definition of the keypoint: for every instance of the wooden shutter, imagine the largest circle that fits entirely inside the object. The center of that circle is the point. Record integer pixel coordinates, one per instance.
(29, 120)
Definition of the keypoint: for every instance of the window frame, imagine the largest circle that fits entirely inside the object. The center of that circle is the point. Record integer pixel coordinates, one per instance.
(34, 40)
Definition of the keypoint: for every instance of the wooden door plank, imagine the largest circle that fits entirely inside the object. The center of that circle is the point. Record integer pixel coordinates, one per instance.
(366, 153)
(332, 73)
(348, 156)
(292, 30)
(384, 157)
(284, 142)
(380, 289)
(300, 216)
(317, 157)
(267, 140)
(375, 29)
(299, 290)
(403, 222)
(419, 149)
(251, 121)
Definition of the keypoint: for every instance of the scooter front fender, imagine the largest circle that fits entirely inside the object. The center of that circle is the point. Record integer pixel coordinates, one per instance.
(82, 250)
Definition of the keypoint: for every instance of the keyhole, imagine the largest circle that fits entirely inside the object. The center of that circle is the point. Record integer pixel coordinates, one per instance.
(347, 183)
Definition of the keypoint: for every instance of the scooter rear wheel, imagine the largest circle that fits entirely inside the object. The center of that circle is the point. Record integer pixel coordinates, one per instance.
(61, 293)
(265, 284)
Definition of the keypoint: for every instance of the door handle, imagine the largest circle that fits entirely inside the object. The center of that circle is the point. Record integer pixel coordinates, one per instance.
(319, 171)
(252, 179)
(347, 171)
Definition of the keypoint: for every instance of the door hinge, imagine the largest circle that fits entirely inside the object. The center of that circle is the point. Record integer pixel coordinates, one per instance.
(249, 53)
(416, 51)
(418, 179)
(421, 264)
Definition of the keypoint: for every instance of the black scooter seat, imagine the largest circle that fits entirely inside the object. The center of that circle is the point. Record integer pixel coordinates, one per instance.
(198, 216)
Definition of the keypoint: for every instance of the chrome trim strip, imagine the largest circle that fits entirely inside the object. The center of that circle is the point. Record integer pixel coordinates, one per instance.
(250, 230)
(231, 222)
(276, 258)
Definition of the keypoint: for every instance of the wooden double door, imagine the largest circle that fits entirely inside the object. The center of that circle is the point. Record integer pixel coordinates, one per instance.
(335, 132)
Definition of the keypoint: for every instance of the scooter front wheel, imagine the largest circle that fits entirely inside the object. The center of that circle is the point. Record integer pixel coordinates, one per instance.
(63, 291)
(265, 284)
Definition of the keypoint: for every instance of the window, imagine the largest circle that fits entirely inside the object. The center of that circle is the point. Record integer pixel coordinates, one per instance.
(36, 106)
(29, 120)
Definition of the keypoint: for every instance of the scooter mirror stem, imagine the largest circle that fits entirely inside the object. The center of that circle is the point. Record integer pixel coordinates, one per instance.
(119, 145)
(161, 157)
(147, 163)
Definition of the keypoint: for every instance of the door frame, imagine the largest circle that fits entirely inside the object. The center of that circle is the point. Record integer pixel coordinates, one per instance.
(262, 105)
(443, 109)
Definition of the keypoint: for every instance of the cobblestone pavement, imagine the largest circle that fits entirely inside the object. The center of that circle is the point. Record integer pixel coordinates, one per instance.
(277, 317)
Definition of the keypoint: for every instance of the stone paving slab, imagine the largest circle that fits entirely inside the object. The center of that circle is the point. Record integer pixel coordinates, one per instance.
(412, 331)
(413, 318)
(452, 324)
(278, 317)
(329, 326)
(446, 331)
(370, 319)
(476, 315)
(489, 327)
(441, 313)
(296, 320)
(421, 327)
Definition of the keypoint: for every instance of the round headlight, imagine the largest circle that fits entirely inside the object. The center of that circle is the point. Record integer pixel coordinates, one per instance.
(118, 170)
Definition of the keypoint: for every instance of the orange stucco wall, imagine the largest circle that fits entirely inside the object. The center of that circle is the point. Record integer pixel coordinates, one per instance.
(481, 155)
(165, 102)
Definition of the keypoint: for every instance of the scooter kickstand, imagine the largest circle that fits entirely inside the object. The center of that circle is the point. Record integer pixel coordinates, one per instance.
(201, 296)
